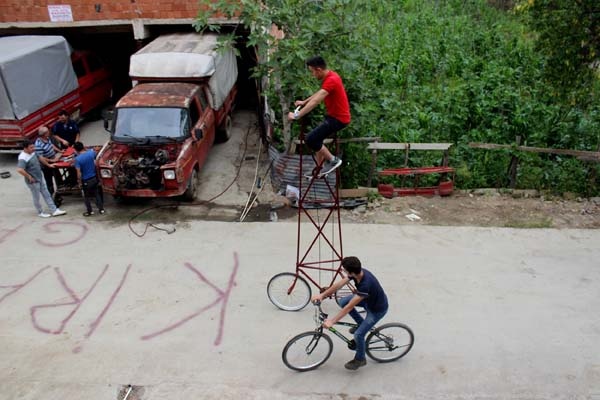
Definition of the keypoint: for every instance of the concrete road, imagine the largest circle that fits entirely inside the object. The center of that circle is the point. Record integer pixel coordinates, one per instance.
(88, 308)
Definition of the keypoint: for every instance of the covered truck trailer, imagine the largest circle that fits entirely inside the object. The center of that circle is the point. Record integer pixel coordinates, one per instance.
(37, 80)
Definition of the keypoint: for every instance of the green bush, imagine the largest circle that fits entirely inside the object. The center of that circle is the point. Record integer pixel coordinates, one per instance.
(437, 71)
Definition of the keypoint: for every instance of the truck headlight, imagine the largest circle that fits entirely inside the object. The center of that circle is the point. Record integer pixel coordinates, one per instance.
(169, 174)
(105, 173)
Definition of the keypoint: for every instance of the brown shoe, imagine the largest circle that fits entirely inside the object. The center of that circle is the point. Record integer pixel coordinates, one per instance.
(355, 364)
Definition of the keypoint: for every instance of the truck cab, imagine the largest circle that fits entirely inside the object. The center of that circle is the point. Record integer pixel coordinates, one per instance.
(94, 80)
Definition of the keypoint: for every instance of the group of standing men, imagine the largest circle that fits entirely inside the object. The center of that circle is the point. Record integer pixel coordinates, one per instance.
(37, 164)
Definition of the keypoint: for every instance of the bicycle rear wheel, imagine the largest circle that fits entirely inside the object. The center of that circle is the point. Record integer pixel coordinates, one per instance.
(278, 290)
(390, 342)
(307, 351)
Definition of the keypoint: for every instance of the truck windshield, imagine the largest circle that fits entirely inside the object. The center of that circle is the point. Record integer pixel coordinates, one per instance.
(133, 122)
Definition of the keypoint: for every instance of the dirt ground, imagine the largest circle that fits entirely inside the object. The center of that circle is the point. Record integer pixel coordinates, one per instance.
(483, 207)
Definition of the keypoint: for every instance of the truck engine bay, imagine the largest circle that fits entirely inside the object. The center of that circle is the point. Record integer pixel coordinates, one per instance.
(141, 169)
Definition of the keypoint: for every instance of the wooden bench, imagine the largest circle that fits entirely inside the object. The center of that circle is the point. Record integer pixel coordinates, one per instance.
(445, 185)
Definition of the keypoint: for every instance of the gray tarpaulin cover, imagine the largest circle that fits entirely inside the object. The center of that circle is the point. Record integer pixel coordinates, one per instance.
(187, 56)
(34, 72)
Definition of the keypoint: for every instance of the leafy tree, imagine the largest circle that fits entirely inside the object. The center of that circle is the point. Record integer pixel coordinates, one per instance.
(325, 27)
(569, 33)
(455, 71)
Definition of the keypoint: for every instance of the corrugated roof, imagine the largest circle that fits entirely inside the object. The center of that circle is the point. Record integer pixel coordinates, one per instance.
(286, 171)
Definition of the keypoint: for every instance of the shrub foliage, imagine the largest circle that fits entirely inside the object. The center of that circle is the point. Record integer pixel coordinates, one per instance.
(455, 71)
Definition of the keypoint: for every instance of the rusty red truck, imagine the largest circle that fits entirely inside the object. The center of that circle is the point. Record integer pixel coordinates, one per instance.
(162, 130)
(41, 75)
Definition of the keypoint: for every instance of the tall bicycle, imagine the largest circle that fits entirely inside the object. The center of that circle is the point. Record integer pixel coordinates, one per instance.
(290, 291)
(308, 350)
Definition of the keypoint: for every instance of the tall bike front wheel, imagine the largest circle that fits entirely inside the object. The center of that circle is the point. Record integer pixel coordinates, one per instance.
(307, 351)
(288, 291)
(390, 342)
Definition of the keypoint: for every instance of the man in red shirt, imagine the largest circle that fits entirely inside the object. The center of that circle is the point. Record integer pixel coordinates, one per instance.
(332, 92)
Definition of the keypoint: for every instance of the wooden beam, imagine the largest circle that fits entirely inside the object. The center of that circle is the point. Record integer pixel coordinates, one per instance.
(588, 155)
(296, 142)
(348, 140)
(411, 146)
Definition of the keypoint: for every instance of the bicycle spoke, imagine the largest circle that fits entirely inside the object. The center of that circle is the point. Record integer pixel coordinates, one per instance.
(389, 342)
(307, 351)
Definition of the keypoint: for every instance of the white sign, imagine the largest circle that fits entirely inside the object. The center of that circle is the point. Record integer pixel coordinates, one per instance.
(60, 13)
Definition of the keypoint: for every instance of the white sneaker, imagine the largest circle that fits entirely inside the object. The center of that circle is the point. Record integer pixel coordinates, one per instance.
(58, 212)
(331, 166)
(44, 215)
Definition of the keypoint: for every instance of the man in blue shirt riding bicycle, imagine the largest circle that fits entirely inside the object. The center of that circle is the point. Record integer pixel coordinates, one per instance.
(369, 294)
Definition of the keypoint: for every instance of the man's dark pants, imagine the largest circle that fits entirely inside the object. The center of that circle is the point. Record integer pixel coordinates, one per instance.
(91, 188)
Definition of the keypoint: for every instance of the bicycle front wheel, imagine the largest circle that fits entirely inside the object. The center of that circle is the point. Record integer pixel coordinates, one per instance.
(288, 291)
(307, 351)
(390, 342)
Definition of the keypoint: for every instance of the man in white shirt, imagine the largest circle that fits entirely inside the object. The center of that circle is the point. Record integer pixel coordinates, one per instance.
(28, 165)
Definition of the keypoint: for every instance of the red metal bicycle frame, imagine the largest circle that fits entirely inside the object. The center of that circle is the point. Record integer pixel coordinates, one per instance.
(332, 205)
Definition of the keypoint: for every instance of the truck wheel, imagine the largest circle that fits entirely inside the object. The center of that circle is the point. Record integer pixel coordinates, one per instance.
(224, 131)
(192, 188)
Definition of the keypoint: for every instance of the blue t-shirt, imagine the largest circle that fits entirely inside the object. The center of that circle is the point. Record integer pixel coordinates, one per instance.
(372, 292)
(86, 164)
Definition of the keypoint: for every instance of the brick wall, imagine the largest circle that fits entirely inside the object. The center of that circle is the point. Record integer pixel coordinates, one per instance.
(85, 10)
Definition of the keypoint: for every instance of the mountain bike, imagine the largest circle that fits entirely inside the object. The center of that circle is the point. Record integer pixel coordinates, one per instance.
(308, 350)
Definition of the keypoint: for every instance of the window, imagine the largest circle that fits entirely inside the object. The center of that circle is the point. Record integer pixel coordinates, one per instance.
(203, 101)
(154, 122)
(194, 113)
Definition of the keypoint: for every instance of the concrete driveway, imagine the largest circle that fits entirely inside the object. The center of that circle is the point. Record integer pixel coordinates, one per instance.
(87, 308)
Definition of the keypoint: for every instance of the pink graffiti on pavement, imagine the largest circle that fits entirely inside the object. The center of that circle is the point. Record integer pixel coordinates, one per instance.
(19, 286)
(222, 297)
(5, 233)
(97, 321)
(55, 227)
(75, 301)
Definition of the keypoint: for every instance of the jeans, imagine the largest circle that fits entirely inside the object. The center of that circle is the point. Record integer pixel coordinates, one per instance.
(364, 325)
(91, 188)
(37, 188)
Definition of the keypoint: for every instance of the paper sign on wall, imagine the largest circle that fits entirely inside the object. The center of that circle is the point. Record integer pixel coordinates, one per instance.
(60, 13)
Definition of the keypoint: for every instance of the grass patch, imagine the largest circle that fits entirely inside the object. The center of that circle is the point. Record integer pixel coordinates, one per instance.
(530, 224)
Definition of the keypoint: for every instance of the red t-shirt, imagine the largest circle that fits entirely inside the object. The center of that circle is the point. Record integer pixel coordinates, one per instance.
(336, 101)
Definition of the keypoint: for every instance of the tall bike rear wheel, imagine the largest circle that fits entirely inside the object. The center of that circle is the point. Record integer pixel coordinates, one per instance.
(278, 290)
(307, 351)
(389, 342)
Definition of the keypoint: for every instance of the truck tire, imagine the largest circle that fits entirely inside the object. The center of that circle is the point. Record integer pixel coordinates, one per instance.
(224, 131)
(192, 187)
